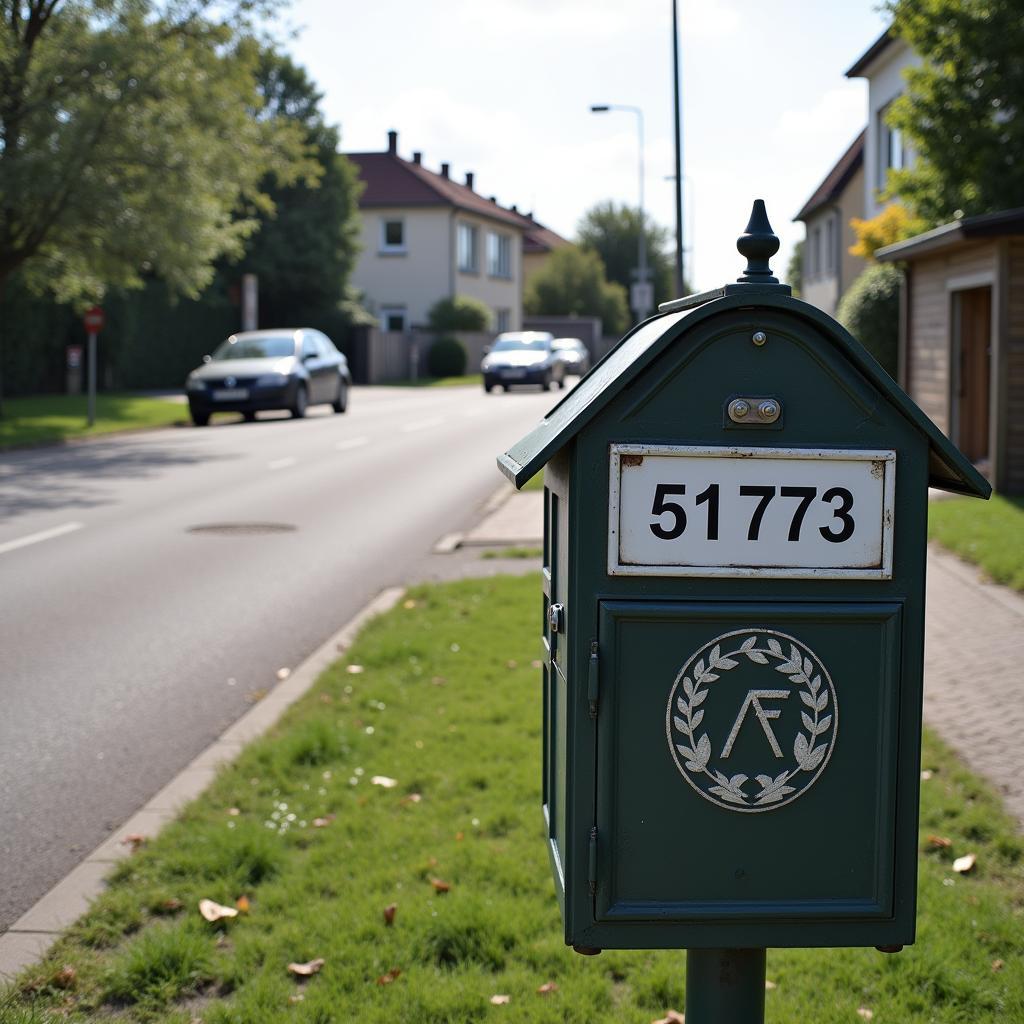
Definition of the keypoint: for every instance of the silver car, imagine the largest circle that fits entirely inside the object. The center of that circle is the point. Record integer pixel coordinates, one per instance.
(523, 357)
(574, 354)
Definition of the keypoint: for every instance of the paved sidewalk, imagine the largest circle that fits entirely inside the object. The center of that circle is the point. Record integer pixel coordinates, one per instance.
(974, 653)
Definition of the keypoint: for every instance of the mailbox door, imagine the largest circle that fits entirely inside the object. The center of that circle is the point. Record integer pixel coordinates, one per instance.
(770, 726)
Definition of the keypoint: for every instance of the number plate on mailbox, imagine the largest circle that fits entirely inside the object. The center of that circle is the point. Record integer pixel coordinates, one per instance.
(689, 511)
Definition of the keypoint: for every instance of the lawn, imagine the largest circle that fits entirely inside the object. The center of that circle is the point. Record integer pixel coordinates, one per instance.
(47, 419)
(439, 382)
(390, 828)
(988, 533)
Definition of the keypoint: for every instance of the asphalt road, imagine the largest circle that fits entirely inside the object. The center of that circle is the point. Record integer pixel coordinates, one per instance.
(128, 642)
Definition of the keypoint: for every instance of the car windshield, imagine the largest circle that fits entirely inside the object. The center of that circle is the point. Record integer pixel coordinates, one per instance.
(531, 344)
(565, 343)
(269, 347)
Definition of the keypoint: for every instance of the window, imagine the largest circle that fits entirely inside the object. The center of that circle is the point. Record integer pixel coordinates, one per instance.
(392, 318)
(816, 252)
(466, 246)
(502, 320)
(830, 245)
(499, 255)
(392, 235)
(891, 150)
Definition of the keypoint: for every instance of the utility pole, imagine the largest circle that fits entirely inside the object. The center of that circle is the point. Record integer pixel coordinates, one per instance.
(676, 84)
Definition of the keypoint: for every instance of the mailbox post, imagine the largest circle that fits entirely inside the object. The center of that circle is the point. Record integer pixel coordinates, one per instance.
(734, 561)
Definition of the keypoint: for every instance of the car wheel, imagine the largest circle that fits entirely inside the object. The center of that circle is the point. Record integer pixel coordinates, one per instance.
(340, 403)
(561, 383)
(249, 416)
(504, 387)
(549, 383)
(200, 419)
(298, 409)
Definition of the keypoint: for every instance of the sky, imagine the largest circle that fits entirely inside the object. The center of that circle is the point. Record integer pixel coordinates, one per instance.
(503, 88)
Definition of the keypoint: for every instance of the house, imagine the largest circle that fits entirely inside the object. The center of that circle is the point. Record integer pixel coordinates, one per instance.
(427, 237)
(962, 336)
(539, 243)
(829, 268)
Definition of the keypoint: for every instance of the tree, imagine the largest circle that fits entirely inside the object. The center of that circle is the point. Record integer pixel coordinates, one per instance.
(613, 231)
(795, 270)
(892, 225)
(304, 249)
(870, 311)
(962, 111)
(126, 141)
(462, 313)
(572, 283)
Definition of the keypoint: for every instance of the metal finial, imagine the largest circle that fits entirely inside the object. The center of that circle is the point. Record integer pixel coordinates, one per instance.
(758, 244)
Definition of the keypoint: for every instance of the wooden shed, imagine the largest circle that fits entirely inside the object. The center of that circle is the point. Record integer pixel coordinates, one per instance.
(962, 337)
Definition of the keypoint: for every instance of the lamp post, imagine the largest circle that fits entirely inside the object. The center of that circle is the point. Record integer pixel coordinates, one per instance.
(642, 296)
(680, 274)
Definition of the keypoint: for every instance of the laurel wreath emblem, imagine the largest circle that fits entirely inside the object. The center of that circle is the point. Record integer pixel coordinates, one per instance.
(807, 751)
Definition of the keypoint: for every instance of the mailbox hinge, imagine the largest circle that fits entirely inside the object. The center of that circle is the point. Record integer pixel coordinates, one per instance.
(593, 678)
(592, 862)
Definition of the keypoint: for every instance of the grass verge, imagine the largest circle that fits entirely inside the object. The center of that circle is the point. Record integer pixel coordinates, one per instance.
(47, 419)
(988, 533)
(439, 382)
(405, 784)
(514, 552)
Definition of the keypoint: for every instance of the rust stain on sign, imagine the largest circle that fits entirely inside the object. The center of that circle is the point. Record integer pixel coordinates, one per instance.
(632, 460)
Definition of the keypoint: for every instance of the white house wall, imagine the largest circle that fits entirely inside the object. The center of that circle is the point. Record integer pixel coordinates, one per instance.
(494, 292)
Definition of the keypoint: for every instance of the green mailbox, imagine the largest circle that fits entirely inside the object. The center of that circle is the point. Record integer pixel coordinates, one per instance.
(734, 586)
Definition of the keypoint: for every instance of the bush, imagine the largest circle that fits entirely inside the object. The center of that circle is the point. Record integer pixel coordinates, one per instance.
(447, 357)
(459, 314)
(870, 311)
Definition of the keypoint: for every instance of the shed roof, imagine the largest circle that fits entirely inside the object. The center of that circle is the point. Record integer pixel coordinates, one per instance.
(837, 179)
(948, 468)
(967, 229)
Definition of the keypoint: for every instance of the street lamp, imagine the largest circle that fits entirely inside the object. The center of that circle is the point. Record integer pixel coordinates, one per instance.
(643, 297)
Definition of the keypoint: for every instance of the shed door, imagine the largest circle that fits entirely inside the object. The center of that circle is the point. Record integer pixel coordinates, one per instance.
(747, 760)
(972, 368)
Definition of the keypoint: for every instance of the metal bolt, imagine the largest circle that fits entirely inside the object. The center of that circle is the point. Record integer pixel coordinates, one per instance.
(739, 410)
(555, 613)
(759, 338)
(768, 411)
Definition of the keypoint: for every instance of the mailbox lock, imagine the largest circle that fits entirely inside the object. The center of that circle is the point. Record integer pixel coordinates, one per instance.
(556, 617)
(759, 338)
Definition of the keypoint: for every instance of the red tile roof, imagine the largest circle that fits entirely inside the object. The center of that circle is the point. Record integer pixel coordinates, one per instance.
(838, 178)
(392, 181)
(538, 238)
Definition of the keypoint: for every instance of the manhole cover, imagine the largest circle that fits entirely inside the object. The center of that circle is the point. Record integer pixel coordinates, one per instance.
(242, 529)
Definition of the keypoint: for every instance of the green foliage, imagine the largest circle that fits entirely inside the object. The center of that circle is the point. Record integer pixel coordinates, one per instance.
(446, 357)
(795, 270)
(572, 283)
(893, 224)
(987, 533)
(304, 249)
(613, 232)
(129, 142)
(870, 311)
(963, 111)
(461, 313)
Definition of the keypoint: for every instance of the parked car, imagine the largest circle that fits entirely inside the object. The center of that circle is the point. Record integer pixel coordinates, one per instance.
(574, 354)
(286, 368)
(523, 357)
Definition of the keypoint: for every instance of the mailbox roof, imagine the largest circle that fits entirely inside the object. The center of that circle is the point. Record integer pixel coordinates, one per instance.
(948, 468)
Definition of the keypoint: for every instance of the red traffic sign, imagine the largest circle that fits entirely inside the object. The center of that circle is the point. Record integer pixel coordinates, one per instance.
(94, 319)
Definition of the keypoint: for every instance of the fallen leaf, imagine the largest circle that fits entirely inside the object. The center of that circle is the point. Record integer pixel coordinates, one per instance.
(438, 680)
(255, 696)
(409, 604)
(65, 977)
(171, 905)
(383, 780)
(671, 1017)
(769, 985)
(512, 663)
(326, 698)
(389, 913)
(998, 965)
(283, 673)
(386, 979)
(926, 774)
(863, 1011)
(307, 969)
(497, 1000)
(215, 911)
(547, 987)
(940, 842)
(296, 998)
(963, 865)
(459, 836)
(324, 821)
(535, 664)
(134, 840)
(354, 670)
(440, 886)
(243, 904)
(234, 812)
(412, 798)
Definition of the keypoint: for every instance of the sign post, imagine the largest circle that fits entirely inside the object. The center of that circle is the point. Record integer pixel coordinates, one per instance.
(94, 320)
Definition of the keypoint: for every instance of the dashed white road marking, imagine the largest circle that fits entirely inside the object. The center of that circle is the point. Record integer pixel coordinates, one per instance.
(288, 460)
(35, 538)
(422, 424)
(350, 443)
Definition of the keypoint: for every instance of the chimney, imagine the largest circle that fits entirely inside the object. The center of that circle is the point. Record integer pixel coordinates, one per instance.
(392, 142)
(469, 179)
(444, 170)
(417, 156)
(493, 199)
(514, 208)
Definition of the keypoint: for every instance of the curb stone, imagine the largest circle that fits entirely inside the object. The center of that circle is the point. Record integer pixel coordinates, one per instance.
(29, 938)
